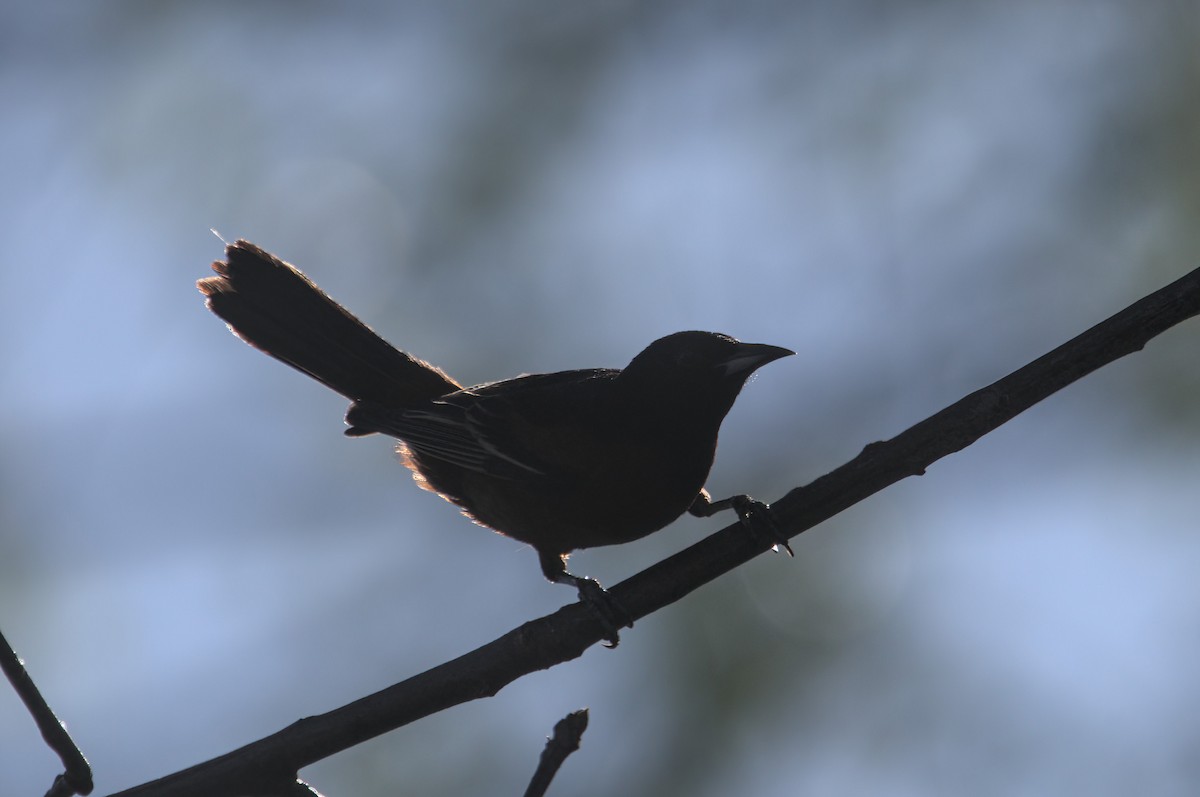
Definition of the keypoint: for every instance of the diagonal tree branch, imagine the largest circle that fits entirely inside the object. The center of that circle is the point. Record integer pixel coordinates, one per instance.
(268, 765)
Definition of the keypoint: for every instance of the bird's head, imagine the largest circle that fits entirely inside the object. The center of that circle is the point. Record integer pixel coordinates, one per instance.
(697, 372)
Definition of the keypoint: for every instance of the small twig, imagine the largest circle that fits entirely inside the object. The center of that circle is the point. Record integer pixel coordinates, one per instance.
(567, 733)
(77, 775)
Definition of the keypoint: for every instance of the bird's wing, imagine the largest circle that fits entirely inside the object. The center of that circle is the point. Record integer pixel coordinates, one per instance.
(510, 429)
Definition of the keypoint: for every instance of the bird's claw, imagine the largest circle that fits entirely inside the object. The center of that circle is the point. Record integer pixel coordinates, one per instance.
(756, 517)
(606, 608)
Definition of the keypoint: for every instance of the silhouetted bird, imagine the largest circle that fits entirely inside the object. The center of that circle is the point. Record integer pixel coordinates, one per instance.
(561, 461)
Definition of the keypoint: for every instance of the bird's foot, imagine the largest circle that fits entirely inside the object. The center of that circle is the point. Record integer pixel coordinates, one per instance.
(756, 517)
(605, 607)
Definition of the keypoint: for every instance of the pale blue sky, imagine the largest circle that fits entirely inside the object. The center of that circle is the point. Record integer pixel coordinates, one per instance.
(917, 202)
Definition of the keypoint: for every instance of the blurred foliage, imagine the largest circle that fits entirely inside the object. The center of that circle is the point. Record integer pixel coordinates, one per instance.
(917, 197)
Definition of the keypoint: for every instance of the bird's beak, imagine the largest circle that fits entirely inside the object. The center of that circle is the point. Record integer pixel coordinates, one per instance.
(750, 356)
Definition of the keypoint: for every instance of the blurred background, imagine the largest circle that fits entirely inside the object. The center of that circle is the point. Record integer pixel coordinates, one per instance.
(918, 198)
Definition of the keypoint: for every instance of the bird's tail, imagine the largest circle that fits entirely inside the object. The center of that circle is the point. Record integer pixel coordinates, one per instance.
(275, 308)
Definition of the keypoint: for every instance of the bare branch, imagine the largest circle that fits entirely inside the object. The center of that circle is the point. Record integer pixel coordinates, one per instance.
(564, 635)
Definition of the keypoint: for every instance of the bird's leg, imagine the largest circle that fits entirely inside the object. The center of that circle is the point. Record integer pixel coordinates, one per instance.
(754, 515)
(611, 614)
